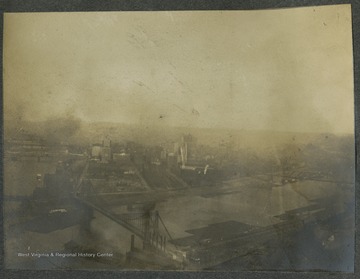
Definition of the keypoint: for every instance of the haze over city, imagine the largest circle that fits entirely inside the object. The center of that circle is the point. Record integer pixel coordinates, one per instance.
(255, 70)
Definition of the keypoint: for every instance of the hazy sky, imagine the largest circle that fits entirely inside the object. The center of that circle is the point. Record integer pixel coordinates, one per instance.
(288, 69)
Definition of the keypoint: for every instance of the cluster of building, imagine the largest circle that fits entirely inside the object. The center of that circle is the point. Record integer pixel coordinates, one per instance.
(104, 153)
(29, 146)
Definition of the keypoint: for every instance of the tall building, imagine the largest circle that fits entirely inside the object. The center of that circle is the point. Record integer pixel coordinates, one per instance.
(189, 142)
(102, 152)
(185, 150)
(106, 151)
(96, 151)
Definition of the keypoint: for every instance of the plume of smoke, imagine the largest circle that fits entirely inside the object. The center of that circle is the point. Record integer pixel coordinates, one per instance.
(61, 129)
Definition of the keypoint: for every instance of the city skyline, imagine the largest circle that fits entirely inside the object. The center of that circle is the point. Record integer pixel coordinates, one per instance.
(282, 70)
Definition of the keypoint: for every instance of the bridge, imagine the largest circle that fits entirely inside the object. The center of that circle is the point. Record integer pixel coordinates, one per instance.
(143, 222)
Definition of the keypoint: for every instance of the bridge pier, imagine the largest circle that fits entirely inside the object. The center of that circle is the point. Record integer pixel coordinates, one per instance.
(132, 244)
(147, 236)
(88, 215)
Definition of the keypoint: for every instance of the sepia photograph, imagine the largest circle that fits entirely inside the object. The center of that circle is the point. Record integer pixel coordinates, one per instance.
(179, 140)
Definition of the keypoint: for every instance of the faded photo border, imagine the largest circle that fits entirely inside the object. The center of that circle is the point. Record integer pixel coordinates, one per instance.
(181, 5)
